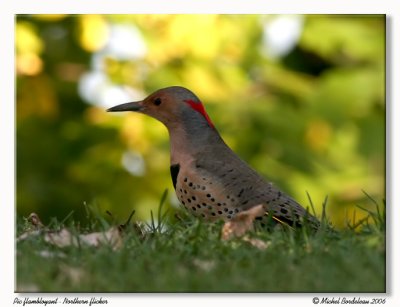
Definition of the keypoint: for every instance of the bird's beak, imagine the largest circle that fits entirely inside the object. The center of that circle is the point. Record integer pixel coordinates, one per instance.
(135, 106)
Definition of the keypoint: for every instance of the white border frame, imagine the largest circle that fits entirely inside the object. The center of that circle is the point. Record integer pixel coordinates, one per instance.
(7, 131)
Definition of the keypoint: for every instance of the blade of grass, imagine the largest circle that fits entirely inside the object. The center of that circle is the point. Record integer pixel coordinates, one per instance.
(161, 216)
(311, 203)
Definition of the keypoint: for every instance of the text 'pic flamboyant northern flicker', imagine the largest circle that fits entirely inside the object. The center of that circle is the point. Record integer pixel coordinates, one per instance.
(210, 180)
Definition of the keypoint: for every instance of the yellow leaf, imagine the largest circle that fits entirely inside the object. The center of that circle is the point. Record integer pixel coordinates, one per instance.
(94, 32)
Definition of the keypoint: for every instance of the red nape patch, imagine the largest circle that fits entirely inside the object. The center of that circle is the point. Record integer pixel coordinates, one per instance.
(198, 106)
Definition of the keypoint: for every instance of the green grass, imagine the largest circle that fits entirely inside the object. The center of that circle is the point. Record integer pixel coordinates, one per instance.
(189, 256)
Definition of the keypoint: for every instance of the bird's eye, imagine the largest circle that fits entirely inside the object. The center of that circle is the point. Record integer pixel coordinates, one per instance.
(157, 101)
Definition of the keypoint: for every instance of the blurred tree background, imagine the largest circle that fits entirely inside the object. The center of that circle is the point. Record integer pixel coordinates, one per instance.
(300, 98)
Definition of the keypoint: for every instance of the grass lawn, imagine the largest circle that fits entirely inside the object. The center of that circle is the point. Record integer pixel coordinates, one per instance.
(189, 256)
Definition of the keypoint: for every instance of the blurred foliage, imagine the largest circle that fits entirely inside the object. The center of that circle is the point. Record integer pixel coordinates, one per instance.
(309, 118)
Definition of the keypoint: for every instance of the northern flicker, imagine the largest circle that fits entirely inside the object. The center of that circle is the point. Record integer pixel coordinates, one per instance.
(210, 180)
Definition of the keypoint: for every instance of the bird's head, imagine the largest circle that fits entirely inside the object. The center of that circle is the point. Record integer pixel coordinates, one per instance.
(173, 106)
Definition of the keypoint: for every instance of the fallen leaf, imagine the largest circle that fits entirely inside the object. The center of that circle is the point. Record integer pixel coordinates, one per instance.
(205, 265)
(260, 244)
(71, 273)
(33, 229)
(241, 223)
(49, 254)
(28, 234)
(61, 238)
(28, 288)
(65, 238)
(112, 237)
(34, 219)
(140, 229)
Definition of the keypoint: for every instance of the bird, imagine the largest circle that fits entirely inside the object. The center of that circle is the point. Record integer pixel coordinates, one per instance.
(210, 180)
